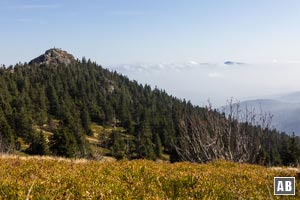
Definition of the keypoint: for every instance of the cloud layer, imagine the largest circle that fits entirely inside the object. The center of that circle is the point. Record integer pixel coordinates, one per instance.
(218, 82)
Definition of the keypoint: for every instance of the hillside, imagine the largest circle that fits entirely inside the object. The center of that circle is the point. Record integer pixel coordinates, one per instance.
(50, 178)
(57, 105)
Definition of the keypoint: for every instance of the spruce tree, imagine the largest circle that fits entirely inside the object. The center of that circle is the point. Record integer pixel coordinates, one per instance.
(63, 143)
(158, 146)
(117, 145)
(39, 145)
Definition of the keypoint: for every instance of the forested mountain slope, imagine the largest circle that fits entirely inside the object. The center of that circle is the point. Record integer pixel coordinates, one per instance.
(49, 106)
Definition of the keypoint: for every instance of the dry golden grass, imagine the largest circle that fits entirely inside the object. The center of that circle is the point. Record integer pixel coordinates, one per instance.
(57, 178)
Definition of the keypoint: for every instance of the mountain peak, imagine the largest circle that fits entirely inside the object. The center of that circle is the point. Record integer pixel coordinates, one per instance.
(54, 56)
(232, 63)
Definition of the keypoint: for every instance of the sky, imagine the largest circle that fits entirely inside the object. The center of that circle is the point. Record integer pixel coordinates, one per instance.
(118, 33)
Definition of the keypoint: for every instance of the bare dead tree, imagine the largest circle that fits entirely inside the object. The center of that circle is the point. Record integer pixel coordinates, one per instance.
(218, 136)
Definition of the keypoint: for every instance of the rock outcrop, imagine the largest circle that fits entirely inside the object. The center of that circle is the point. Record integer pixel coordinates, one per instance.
(54, 57)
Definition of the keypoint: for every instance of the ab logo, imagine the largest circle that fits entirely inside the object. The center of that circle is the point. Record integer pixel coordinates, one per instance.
(284, 185)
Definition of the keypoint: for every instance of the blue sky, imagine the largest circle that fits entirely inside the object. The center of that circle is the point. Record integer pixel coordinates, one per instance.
(130, 31)
(166, 42)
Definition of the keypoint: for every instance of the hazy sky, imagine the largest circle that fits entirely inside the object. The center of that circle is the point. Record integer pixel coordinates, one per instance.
(217, 82)
(126, 31)
(115, 32)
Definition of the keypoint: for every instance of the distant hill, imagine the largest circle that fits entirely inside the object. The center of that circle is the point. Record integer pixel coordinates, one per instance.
(59, 105)
(290, 98)
(233, 63)
(284, 108)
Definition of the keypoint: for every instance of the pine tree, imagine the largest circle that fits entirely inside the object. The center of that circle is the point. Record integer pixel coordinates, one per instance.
(63, 143)
(158, 146)
(86, 121)
(53, 100)
(117, 146)
(7, 139)
(39, 145)
(144, 144)
(293, 150)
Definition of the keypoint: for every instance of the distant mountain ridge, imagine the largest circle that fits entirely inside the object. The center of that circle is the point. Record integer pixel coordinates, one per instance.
(293, 97)
(233, 63)
(284, 108)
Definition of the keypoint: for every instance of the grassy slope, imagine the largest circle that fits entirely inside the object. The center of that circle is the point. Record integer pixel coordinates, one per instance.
(50, 178)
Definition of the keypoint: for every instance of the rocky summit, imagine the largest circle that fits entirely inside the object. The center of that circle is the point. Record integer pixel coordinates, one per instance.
(54, 57)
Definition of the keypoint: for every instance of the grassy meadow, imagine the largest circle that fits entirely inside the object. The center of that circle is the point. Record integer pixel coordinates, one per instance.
(57, 178)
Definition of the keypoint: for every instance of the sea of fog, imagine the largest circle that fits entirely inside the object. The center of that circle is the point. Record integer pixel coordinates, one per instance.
(216, 82)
